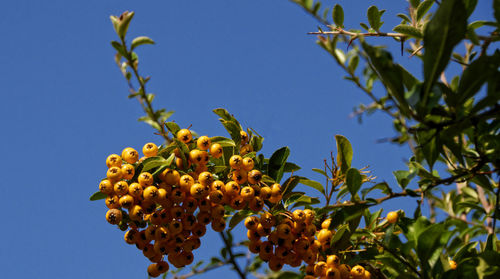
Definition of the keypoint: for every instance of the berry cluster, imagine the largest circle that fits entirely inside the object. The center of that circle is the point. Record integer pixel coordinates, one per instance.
(292, 238)
(165, 210)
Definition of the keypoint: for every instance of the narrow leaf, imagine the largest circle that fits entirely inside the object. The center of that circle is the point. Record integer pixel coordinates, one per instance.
(142, 40)
(344, 153)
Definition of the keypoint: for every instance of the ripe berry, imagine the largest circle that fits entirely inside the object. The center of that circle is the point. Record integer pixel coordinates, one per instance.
(128, 171)
(150, 193)
(135, 190)
(106, 187)
(114, 173)
(392, 217)
(112, 202)
(247, 193)
(216, 150)
(358, 272)
(184, 135)
(113, 160)
(236, 162)
(145, 179)
(185, 182)
(114, 216)
(251, 222)
(150, 149)
(453, 264)
(203, 143)
(248, 164)
(324, 236)
(244, 137)
(130, 155)
(121, 188)
(254, 176)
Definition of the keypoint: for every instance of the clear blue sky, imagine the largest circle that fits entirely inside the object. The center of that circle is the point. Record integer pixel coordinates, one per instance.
(64, 109)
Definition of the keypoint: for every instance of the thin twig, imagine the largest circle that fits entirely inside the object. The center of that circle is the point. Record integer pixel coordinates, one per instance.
(232, 259)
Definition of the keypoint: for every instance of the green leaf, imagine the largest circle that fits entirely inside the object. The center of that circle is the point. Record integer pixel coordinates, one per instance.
(344, 153)
(223, 141)
(289, 185)
(405, 18)
(443, 32)
(224, 114)
(119, 47)
(338, 15)
(429, 141)
(148, 120)
(238, 217)
(403, 177)
(374, 17)
(173, 128)
(233, 129)
(154, 162)
(428, 242)
(290, 167)
(320, 172)
(314, 184)
(338, 235)
(142, 40)
(353, 180)
(98, 196)
(409, 31)
(277, 162)
(381, 186)
(423, 8)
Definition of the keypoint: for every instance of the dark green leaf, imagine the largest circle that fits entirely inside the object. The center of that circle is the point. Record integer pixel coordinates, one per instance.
(277, 163)
(428, 242)
(353, 180)
(290, 184)
(290, 167)
(373, 15)
(98, 196)
(344, 153)
(445, 30)
(142, 40)
(409, 31)
(389, 73)
(338, 15)
(476, 74)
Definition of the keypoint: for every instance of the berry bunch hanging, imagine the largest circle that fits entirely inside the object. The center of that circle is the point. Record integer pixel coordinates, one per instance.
(166, 199)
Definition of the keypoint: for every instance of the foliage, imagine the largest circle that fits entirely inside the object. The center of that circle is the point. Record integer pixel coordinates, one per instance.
(450, 121)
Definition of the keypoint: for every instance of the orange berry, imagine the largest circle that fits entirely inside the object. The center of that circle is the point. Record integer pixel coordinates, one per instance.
(216, 150)
(392, 217)
(113, 160)
(184, 135)
(130, 155)
(203, 143)
(150, 149)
